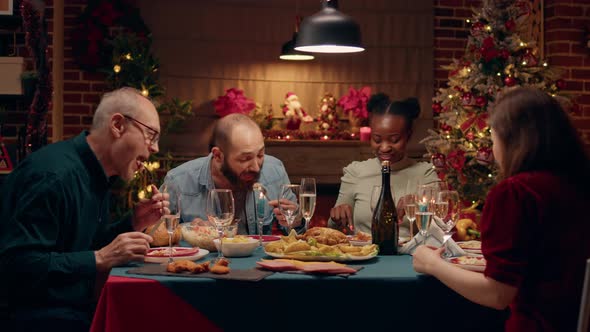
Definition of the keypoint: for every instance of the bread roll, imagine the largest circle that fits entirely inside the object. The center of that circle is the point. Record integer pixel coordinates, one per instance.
(161, 235)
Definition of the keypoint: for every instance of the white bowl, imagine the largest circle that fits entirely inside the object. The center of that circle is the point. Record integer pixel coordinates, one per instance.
(245, 246)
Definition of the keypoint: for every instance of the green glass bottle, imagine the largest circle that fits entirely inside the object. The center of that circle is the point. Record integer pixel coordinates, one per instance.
(384, 228)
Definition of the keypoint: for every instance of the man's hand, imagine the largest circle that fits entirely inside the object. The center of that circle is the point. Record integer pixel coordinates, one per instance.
(342, 216)
(279, 215)
(426, 258)
(125, 247)
(149, 211)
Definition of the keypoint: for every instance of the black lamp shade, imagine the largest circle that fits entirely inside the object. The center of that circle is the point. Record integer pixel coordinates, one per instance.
(288, 51)
(329, 31)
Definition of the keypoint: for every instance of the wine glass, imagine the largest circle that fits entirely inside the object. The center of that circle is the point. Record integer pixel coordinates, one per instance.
(171, 218)
(448, 214)
(426, 197)
(307, 199)
(261, 205)
(289, 203)
(220, 209)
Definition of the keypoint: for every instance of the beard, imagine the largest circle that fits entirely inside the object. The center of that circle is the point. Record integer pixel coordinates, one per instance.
(235, 179)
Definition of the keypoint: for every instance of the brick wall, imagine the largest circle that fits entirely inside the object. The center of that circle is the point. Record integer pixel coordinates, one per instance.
(565, 24)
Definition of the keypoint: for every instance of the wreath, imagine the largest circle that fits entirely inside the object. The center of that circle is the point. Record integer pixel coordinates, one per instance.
(91, 38)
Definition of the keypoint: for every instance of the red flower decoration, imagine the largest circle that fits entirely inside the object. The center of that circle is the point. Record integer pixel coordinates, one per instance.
(233, 101)
(456, 160)
(356, 102)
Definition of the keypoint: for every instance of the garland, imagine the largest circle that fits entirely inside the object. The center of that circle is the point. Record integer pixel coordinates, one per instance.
(35, 28)
(310, 135)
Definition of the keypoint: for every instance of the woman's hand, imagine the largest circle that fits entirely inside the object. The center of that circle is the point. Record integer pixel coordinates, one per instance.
(427, 258)
(342, 215)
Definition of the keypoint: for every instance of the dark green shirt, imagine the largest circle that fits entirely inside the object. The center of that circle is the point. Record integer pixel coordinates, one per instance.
(54, 212)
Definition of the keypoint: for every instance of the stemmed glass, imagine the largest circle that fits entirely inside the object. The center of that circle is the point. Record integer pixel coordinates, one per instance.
(261, 205)
(289, 203)
(426, 197)
(447, 213)
(171, 218)
(220, 209)
(307, 198)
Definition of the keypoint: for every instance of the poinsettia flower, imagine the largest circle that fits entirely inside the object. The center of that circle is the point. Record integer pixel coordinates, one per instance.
(233, 101)
(356, 102)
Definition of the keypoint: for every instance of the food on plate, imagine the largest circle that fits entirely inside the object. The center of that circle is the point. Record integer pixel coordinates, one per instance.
(361, 236)
(200, 236)
(187, 265)
(237, 239)
(467, 230)
(220, 267)
(325, 235)
(290, 245)
(469, 260)
(160, 235)
(176, 252)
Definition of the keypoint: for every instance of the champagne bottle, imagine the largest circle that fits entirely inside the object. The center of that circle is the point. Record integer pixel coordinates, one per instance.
(384, 228)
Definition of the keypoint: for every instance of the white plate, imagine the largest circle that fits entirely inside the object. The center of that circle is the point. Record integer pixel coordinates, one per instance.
(163, 259)
(343, 258)
(463, 262)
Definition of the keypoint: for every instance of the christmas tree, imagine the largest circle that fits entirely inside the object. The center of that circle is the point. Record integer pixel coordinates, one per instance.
(496, 58)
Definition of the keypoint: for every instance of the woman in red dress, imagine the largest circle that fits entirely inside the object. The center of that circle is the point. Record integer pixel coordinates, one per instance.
(535, 223)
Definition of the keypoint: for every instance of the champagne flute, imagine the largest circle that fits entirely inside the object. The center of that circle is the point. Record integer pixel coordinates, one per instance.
(289, 203)
(307, 199)
(220, 209)
(423, 220)
(171, 218)
(426, 196)
(449, 216)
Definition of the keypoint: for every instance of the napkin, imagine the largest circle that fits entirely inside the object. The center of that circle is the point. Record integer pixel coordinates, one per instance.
(435, 239)
(234, 274)
(290, 265)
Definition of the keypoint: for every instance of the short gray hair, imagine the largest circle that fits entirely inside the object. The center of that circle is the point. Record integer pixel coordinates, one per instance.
(124, 100)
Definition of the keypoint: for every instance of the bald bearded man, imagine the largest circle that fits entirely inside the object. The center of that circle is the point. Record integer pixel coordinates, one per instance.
(236, 161)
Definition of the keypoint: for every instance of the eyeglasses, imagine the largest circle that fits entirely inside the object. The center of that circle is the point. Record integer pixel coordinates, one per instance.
(153, 135)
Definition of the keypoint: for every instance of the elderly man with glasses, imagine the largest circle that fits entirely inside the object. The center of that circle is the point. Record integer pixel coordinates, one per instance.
(56, 239)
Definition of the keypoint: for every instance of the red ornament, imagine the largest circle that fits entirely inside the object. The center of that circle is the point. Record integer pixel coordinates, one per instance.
(445, 127)
(509, 81)
(439, 161)
(481, 101)
(436, 108)
(484, 156)
(510, 25)
(560, 84)
(470, 136)
(467, 98)
(504, 54)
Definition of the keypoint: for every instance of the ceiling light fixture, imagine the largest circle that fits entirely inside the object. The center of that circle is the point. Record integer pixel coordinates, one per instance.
(288, 51)
(329, 31)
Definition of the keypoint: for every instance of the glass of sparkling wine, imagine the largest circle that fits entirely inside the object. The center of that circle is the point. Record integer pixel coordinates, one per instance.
(423, 220)
(447, 213)
(307, 199)
(172, 217)
(289, 203)
(220, 209)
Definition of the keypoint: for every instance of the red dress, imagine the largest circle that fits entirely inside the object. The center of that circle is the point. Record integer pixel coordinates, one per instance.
(535, 230)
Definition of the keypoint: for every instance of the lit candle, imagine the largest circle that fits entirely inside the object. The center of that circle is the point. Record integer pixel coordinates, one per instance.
(423, 205)
(365, 133)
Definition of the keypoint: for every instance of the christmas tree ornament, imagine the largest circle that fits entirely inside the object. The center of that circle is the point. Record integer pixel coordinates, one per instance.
(470, 136)
(510, 25)
(509, 81)
(481, 101)
(439, 161)
(436, 108)
(484, 156)
(328, 118)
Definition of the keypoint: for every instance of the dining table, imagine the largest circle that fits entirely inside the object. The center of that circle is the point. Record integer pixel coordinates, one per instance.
(385, 294)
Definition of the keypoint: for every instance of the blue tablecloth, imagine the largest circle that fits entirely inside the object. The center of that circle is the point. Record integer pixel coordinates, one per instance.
(386, 295)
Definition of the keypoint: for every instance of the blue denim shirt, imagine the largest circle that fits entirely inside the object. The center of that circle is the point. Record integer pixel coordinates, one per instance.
(194, 180)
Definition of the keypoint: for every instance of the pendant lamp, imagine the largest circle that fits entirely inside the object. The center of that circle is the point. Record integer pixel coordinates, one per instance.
(288, 51)
(329, 31)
